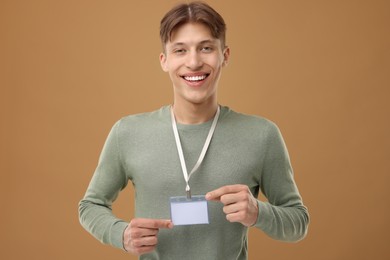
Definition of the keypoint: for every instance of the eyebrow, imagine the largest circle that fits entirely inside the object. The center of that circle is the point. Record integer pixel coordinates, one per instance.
(208, 41)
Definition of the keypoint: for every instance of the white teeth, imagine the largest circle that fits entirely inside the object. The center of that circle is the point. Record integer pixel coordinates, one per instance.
(195, 78)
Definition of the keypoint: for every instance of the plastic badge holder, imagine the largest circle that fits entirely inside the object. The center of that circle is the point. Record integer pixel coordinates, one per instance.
(192, 211)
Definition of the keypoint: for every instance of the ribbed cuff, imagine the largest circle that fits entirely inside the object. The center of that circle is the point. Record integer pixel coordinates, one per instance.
(263, 218)
(116, 234)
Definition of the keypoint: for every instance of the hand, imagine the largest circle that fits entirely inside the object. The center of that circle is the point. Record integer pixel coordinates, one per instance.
(140, 235)
(239, 203)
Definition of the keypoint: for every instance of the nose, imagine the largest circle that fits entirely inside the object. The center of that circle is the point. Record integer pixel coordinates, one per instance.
(194, 60)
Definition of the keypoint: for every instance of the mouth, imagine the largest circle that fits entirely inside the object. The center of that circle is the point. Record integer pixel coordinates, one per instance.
(195, 78)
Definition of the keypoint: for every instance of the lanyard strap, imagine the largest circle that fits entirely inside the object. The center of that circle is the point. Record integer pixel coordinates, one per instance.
(202, 154)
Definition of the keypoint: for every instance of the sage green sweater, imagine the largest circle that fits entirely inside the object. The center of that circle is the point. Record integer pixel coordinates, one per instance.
(244, 150)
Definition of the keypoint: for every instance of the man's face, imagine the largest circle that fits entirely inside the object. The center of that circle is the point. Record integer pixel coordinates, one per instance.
(194, 60)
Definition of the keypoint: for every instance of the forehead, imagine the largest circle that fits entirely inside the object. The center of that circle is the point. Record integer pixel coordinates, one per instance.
(191, 33)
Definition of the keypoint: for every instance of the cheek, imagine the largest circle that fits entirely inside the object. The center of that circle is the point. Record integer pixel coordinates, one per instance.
(216, 63)
(218, 66)
(172, 67)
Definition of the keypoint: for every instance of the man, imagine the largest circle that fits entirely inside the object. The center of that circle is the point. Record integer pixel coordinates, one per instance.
(232, 156)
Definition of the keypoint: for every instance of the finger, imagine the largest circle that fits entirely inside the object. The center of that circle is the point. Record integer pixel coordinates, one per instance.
(145, 241)
(233, 198)
(151, 223)
(230, 199)
(143, 250)
(216, 194)
(138, 232)
(236, 217)
(232, 208)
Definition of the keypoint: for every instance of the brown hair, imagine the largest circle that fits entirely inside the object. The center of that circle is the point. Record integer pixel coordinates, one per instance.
(196, 12)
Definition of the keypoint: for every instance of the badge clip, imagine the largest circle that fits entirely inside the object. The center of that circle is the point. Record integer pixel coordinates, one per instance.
(188, 193)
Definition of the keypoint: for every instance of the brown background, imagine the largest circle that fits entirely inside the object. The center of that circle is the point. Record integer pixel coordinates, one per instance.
(319, 69)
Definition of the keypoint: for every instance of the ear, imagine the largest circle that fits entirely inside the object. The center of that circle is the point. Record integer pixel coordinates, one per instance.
(163, 62)
(226, 55)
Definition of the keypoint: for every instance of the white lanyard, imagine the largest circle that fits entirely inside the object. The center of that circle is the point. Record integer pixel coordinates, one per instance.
(202, 154)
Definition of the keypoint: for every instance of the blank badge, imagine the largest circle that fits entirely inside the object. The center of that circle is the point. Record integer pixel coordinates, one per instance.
(191, 211)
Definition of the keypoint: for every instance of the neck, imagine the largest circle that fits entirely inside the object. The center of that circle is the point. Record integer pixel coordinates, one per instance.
(194, 113)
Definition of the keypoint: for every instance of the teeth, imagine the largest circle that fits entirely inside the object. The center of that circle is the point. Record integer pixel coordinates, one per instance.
(195, 78)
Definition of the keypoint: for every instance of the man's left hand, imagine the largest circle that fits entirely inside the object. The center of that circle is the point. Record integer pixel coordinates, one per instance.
(239, 203)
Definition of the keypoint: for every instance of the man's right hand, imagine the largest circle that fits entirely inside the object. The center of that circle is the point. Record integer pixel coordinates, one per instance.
(140, 235)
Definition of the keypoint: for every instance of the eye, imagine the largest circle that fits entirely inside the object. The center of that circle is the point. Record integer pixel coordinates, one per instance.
(179, 51)
(207, 49)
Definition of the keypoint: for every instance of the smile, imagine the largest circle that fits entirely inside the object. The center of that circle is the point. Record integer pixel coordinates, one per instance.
(195, 78)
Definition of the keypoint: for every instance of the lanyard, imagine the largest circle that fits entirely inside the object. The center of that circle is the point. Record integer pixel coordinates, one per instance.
(202, 154)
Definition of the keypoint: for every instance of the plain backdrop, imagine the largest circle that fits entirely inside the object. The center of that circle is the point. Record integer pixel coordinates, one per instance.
(319, 69)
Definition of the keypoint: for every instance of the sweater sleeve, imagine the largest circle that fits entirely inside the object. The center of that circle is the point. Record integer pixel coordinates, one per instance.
(95, 212)
(283, 216)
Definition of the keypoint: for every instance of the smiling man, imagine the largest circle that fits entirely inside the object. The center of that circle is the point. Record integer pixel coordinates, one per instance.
(197, 166)
(194, 60)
